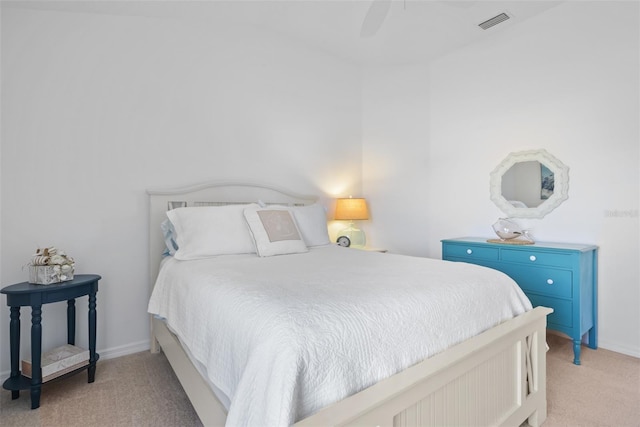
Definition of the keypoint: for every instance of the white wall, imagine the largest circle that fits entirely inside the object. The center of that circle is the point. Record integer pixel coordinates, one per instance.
(566, 81)
(396, 158)
(96, 108)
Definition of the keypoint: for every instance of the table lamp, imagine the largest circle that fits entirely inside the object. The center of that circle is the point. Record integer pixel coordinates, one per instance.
(351, 210)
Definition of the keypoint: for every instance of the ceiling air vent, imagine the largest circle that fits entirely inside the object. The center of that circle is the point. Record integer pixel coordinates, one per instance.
(494, 21)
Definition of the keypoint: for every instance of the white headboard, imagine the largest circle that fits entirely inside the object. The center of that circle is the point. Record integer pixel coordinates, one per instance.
(208, 194)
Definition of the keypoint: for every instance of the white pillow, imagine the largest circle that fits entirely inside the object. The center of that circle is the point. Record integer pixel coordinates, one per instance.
(274, 231)
(312, 222)
(208, 231)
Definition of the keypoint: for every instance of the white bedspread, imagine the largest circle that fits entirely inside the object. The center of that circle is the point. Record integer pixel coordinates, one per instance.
(285, 336)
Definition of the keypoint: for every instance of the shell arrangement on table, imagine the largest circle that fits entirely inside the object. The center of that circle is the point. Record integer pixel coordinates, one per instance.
(49, 265)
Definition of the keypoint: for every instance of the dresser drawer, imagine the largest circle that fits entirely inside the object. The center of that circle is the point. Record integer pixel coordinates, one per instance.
(552, 259)
(544, 281)
(471, 252)
(562, 310)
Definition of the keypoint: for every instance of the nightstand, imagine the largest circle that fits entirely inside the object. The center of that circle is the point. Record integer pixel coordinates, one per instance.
(27, 294)
(370, 249)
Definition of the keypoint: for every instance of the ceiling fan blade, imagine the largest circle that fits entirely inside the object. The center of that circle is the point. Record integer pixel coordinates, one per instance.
(375, 17)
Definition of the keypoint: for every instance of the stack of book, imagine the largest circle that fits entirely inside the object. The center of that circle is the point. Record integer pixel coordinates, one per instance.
(58, 361)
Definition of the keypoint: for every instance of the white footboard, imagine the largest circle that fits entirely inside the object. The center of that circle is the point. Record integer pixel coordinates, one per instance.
(496, 378)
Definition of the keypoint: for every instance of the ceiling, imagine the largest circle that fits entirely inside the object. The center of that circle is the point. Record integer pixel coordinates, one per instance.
(412, 30)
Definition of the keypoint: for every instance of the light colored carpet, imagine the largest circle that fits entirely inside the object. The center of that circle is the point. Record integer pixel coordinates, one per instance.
(603, 391)
(134, 390)
(141, 390)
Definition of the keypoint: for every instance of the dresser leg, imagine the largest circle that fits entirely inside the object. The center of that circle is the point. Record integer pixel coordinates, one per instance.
(593, 338)
(576, 351)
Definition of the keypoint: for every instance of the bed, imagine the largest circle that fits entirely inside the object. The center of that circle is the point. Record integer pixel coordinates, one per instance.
(495, 376)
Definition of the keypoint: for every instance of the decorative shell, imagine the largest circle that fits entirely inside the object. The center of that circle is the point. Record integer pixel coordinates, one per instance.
(507, 229)
(51, 256)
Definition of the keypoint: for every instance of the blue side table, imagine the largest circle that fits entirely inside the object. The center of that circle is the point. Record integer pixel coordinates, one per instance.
(27, 294)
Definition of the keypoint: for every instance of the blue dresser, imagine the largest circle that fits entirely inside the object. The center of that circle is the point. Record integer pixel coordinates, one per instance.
(561, 276)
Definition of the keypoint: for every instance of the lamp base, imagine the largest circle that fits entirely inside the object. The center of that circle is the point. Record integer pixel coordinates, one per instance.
(355, 235)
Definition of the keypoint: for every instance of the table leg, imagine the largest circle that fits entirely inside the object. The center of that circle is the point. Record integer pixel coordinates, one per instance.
(36, 355)
(92, 337)
(14, 339)
(71, 321)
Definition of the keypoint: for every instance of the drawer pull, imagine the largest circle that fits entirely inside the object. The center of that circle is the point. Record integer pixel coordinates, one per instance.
(532, 258)
(469, 251)
(550, 281)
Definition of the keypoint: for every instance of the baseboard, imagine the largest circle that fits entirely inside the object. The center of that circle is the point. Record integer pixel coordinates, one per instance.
(123, 350)
(629, 351)
(110, 353)
(622, 349)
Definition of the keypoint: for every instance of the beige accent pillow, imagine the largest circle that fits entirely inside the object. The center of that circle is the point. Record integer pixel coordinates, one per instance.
(274, 231)
(311, 221)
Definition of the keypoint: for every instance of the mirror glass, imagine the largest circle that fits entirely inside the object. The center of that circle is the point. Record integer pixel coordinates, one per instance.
(529, 184)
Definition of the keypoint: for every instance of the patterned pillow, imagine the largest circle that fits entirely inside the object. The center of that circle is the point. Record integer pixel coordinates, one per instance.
(274, 231)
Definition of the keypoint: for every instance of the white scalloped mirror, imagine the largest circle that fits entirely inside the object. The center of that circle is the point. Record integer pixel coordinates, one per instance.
(529, 184)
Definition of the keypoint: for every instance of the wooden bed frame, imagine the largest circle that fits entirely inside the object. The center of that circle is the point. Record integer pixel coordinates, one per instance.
(495, 378)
